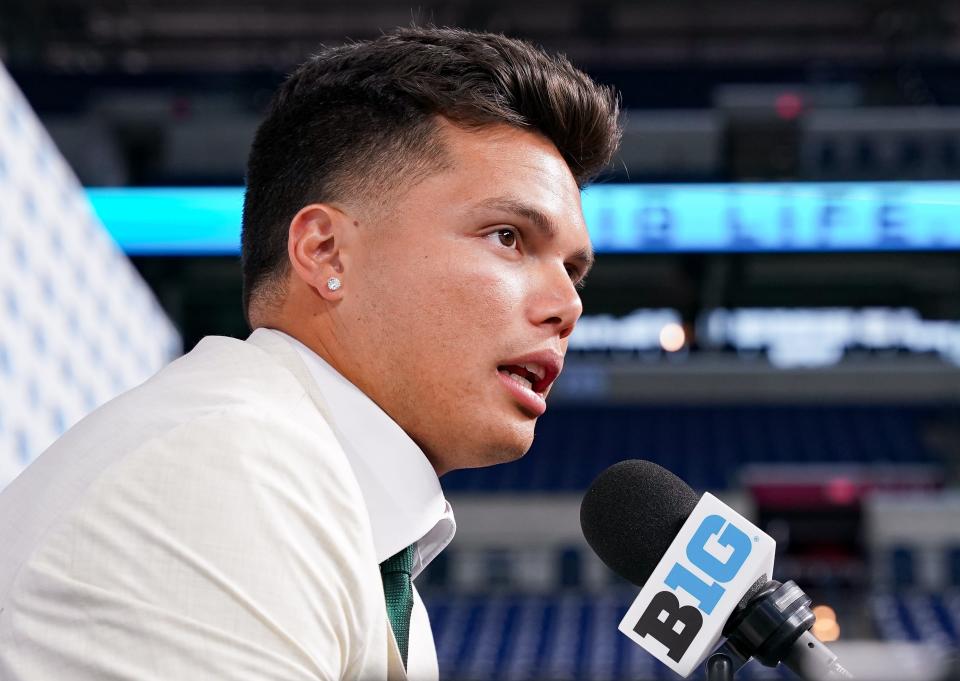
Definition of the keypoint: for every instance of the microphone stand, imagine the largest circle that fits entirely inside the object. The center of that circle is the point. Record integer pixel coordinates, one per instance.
(774, 627)
(719, 668)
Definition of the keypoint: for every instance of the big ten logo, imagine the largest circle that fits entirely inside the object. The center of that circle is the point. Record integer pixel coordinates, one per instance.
(717, 550)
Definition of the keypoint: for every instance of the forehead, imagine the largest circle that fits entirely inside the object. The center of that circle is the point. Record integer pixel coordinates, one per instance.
(514, 170)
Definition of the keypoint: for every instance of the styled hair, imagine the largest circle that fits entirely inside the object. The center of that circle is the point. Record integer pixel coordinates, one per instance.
(361, 120)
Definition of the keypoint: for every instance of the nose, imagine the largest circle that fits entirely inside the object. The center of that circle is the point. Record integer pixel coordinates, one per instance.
(557, 302)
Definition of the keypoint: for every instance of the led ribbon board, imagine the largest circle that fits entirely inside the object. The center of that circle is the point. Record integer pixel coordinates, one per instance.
(622, 218)
(172, 220)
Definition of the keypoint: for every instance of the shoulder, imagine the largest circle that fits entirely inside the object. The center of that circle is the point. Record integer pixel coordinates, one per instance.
(221, 381)
(284, 449)
(216, 491)
(242, 523)
(247, 475)
(226, 414)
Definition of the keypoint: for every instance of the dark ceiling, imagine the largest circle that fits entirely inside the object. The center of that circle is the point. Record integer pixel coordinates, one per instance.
(239, 35)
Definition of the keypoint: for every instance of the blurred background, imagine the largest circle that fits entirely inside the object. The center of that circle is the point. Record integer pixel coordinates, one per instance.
(774, 314)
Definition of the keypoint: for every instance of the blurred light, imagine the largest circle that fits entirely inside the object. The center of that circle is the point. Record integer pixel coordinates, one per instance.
(789, 105)
(827, 630)
(841, 491)
(181, 108)
(819, 336)
(640, 330)
(672, 337)
(826, 627)
(791, 338)
(824, 612)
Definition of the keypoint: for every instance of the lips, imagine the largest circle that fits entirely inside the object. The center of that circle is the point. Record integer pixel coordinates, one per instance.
(539, 369)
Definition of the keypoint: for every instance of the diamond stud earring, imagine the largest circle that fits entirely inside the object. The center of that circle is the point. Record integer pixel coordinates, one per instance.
(333, 283)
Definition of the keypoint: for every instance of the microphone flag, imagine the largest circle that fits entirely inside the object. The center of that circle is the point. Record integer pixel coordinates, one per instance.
(712, 563)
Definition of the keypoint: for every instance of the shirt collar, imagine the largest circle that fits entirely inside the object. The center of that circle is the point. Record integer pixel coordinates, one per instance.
(399, 486)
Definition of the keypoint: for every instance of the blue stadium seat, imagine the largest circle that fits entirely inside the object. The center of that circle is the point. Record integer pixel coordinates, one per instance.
(564, 636)
(912, 616)
(704, 445)
(953, 565)
(569, 635)
(902, 567)
(571, 567)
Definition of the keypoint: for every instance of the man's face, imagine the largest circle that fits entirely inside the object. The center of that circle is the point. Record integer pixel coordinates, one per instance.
(466, 276)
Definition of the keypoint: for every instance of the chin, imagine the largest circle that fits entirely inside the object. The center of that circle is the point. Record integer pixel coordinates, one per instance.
(477, 443)
(489, 453)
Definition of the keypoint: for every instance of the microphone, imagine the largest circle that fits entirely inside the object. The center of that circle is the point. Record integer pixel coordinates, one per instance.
(704, 572)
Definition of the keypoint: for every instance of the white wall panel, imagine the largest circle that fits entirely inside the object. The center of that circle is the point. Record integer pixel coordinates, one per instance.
(78, 325)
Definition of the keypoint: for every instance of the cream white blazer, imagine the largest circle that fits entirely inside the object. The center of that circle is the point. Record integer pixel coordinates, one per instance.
(205, 525)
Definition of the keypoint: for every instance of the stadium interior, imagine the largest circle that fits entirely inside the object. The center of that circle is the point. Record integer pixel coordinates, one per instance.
(815, 388)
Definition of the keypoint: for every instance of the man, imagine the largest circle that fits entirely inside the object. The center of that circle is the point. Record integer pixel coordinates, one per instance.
(412, 246)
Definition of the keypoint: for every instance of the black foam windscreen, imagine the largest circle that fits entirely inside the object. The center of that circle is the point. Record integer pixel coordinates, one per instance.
(631, 514)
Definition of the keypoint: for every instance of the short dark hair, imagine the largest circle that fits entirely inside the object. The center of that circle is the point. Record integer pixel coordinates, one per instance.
(362, 117)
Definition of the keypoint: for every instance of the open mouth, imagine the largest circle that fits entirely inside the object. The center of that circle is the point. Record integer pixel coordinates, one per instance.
(535, 372)
(529, 376)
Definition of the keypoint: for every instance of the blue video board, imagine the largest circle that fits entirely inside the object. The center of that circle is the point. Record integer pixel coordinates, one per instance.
(622, 218)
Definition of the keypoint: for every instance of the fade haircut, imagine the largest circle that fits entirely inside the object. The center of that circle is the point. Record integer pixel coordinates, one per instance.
(360, 120)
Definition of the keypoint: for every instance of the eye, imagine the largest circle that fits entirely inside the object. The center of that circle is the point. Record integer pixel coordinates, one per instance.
(578, 281)
(507, 236)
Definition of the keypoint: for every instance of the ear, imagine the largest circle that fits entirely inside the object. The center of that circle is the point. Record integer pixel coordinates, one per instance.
(315, 246)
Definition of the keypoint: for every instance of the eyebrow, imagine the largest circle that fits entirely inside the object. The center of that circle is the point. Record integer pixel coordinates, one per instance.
(583, 257)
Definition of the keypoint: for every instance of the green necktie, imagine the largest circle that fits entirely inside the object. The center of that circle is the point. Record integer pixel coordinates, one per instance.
(398, 590)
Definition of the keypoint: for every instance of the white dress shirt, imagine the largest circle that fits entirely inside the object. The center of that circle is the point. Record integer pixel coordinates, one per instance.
(224, 520)
(400, 488)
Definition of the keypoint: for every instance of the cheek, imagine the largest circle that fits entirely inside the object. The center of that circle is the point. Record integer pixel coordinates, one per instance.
(474, 302)
(435, 312)
(456, 321)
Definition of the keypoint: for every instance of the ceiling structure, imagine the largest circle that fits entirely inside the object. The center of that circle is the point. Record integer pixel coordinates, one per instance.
(217, 35)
